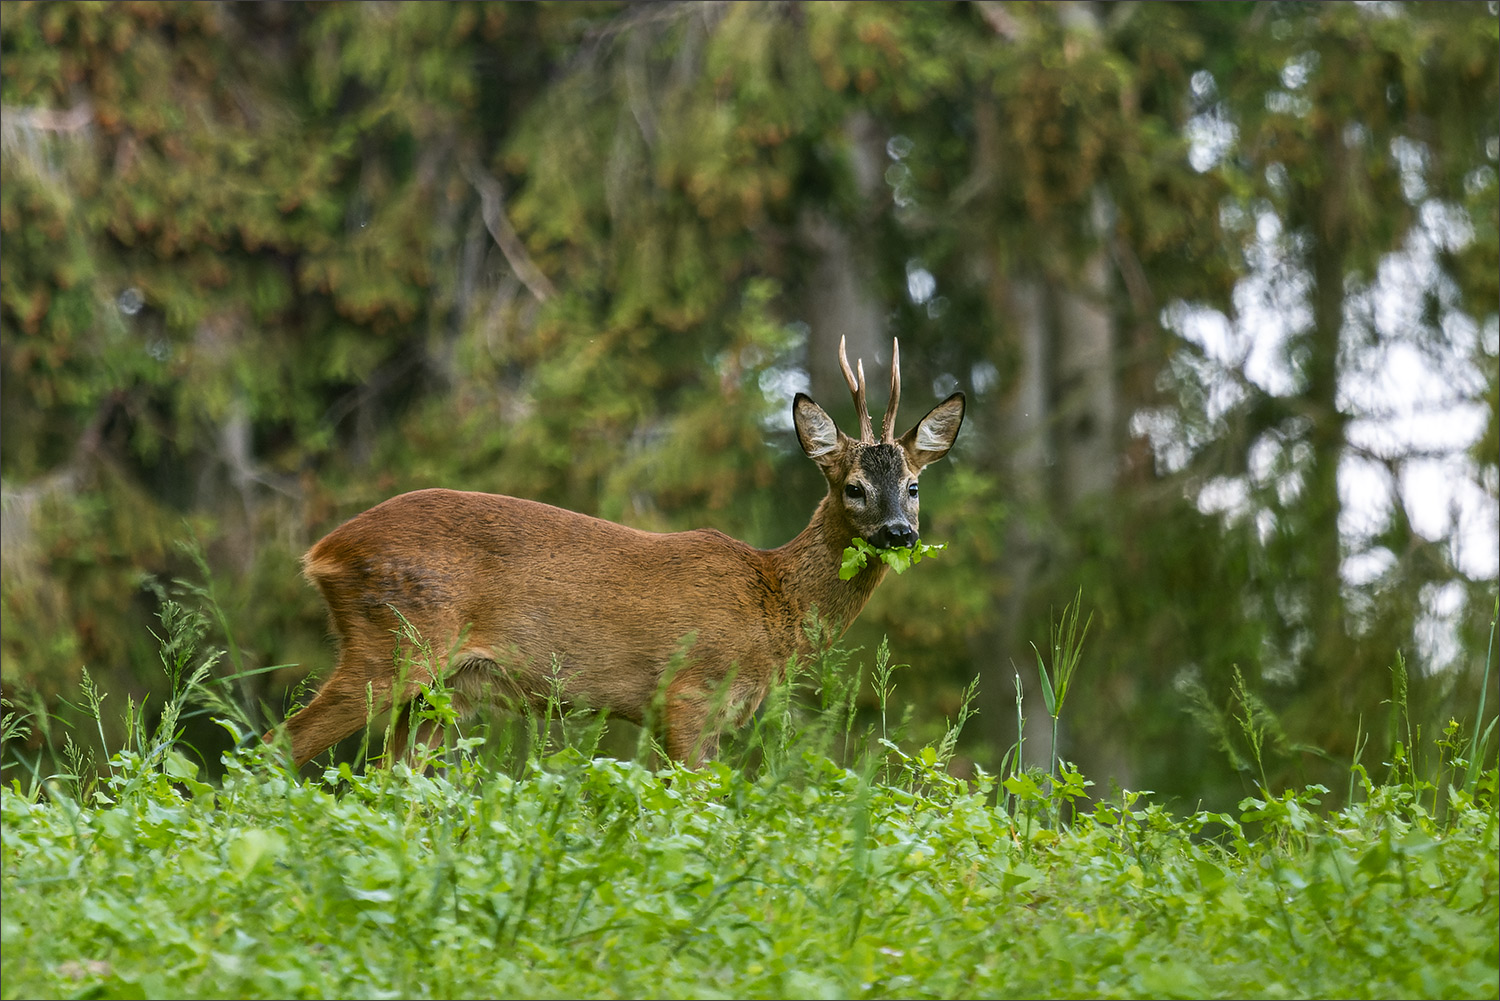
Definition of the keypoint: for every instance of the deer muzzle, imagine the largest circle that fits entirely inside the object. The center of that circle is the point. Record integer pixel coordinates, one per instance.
(894, 533)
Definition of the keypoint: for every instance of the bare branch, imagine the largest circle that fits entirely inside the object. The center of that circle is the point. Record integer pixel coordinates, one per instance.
(1000, 20)
(75, 119)
(492, 206)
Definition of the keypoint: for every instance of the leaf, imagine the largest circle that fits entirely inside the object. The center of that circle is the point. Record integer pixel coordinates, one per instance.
(898, 558)
(1210, 875)
(375, 896)
(1047, 694)
(251, 847)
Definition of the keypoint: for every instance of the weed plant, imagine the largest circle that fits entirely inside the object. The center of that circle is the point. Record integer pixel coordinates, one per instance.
(810, 860)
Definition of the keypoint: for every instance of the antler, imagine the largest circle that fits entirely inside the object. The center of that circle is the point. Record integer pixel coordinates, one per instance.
(888, 422)
(857, 388)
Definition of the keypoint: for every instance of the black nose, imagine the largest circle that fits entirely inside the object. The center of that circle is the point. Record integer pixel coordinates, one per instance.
(895, 534)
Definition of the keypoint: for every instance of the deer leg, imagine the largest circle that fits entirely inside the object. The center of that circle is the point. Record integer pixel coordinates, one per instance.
(686, 728)
(428, 738)
(332, 715)
(342, 706)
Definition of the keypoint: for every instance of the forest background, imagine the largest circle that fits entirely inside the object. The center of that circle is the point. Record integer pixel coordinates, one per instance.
(1220, 281)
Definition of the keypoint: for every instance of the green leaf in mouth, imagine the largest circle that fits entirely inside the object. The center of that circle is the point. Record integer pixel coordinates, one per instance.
(898, 558)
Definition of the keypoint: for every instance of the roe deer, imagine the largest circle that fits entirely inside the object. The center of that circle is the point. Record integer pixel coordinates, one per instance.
(514, 596)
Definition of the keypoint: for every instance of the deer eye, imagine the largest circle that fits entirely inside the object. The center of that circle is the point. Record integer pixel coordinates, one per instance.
(854, 491)
(911, 489)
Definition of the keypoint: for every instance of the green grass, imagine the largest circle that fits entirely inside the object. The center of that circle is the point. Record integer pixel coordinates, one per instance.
(536, 870)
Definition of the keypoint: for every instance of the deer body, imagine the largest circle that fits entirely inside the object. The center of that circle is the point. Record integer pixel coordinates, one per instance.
(516, 598)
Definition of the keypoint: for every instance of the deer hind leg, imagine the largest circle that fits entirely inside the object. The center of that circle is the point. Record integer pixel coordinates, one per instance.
(337, 711)
(470, 682)
(359, 689)
(428, 739)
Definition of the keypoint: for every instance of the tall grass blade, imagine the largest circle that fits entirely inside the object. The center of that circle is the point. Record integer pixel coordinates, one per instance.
(1479, 747)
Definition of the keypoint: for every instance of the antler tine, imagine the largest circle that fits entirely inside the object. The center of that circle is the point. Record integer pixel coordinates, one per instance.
(844, 364)
(857, 389)
(888, 422)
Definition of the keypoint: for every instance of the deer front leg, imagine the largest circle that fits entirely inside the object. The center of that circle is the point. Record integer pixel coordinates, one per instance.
(699, 708)
(687, 728)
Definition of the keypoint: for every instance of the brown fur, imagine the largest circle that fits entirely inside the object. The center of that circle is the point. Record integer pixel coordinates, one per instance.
(511, 594)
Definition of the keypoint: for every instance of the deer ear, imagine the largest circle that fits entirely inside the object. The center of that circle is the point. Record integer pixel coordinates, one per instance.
(934, 434)
(816, 432)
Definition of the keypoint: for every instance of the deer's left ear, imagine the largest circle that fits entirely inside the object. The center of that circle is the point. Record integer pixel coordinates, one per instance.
(816, 432)
(934, 434)
(820, 438)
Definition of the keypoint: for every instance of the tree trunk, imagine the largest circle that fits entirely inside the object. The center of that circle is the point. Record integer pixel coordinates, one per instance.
(1086, 427)
(1323, 209)
(837, 295)
(1088, 442)
(1016, 443)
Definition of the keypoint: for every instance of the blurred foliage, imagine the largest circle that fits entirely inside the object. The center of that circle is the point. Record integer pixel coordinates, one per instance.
(267, 265)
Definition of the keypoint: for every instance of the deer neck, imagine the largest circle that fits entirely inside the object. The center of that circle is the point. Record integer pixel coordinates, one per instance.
(808, 568)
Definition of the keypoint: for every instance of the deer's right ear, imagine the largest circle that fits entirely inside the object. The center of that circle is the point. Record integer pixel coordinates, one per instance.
(934, 434)
(816, 432)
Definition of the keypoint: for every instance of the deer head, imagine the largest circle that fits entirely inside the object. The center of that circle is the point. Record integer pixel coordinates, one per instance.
(872, 485)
